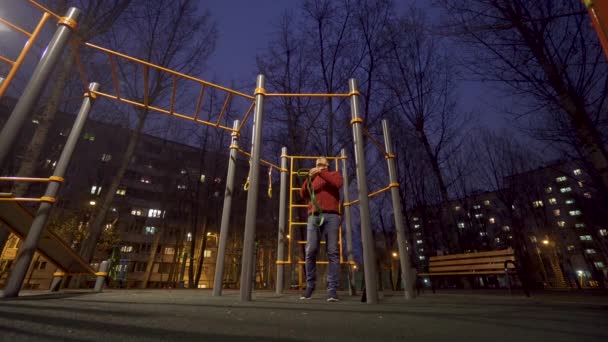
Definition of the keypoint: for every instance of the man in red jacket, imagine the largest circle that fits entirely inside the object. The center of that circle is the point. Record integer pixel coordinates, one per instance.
(323, 195)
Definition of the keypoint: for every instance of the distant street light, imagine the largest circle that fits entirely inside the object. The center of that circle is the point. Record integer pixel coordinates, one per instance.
(545, 242)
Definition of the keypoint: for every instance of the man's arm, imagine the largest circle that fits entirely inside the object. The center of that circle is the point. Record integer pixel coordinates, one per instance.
(304, 191)
(333, 178)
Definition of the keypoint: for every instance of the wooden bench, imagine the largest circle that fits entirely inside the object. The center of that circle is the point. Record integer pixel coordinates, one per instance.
(501, 262)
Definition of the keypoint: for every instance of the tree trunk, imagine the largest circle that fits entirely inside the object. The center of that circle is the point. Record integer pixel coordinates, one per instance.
(151, 258)
(201, 257)
(87, 251)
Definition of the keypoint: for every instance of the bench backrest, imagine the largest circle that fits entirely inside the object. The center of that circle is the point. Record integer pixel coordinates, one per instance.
(468, 263)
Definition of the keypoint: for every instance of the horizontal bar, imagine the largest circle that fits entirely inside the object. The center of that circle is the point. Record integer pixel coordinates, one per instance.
(25, 179)
(378, 192)
(304, 242)
(503, 252)
(498, 272)
(15, 27)
(6, 60)
(45, 9)
(172, 72)
(21, 199)
(306, 95)
(298, 223)
(299, 205)
(267, 163)
(316, 157)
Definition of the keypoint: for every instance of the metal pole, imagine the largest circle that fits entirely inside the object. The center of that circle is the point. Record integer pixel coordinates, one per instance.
(35, 85)
(56, 283)
(247, 261)
(225, 226)
(282, 222)
(26, 252)
(402, 241)
(103, 270)
(367, 238)
(348, 223)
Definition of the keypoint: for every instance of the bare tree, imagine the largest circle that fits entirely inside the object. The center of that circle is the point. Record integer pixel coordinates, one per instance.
(170, 34)
(546, 53)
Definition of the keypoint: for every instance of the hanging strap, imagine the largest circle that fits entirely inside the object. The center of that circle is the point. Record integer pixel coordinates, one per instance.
(269, 182)
(311, 194)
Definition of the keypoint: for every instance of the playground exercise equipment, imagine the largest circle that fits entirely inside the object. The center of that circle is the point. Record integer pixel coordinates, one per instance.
(40, 76)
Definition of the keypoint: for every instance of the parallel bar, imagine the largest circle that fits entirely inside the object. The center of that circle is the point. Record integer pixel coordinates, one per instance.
(8, 61)
(377, 192)
(315, 157)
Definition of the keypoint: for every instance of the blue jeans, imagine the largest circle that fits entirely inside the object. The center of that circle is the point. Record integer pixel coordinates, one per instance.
(314, 234)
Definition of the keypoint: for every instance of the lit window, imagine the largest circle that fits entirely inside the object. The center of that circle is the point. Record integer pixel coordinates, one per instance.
(577, 172)
(169, 250)
(478, 215)
(414, 219)
(548, 189)
(154, 213)
(202, 178)
(492, 220)
(181, 187)
(579, 225)
(183, 172)
(560, 179)
(137, 212)
(121, 192)
(35, 122)
(510, 236)
(585, 237)
(497, 240)
(106, 157)
(533, 238)
(95, 190)
(145, 179)
(570, 248)
(561, 223)
(556, 212)
(589, 251)
(126, 249)
(456, 208)
(486, 202)
(477, 206)
(483, 233)
(574, 212)
(418, 241)
(598, 264)
(506, 228)
(581, 184)
(92, 203)
(537, 204)
(460, 224)
(416, 226)
(603, 232)
(207, 253)
(570, 201)
(422, 257)
(552, 200)
(89, 136)
(108, 226)
(587, 195)
(566, 189)
(149, 230)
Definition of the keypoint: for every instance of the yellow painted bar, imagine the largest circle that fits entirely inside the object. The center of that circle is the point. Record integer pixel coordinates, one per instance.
(135, 103)
(306, 95)
(224, 109)
(315, 157)
(151, 65)
(45, 9)
(28, 45)
(377, 192)
(300, 205)
(6, 60)
(75, 51)
(199, 103)
(15, 27)
(246, 116)
(21, 199)
(267, 163)
(25, 179)
(114, 75)
(173, 90)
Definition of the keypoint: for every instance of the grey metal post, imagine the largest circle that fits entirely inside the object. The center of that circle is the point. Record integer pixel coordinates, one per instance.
(100, 281)
(348, 222)
(26, 252)
(36, 83)
(56, 283)
(402, 241)
(367, 238)
(282, 223)
(252, 195)
(1, 80)
(225, 226)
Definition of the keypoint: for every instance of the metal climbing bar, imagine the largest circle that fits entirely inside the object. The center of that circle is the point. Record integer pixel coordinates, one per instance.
(265, 162)
(598, 13)
(44, 9)
(306, 95)
(16, 64)
(373, 140)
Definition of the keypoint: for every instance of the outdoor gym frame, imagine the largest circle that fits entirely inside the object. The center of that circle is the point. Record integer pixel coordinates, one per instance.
(39, 78)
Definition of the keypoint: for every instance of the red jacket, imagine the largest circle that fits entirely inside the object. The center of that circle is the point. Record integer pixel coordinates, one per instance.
(326, 186)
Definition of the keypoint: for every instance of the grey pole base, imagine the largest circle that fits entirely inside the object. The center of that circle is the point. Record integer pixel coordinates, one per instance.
(100, 281)
(56, 284)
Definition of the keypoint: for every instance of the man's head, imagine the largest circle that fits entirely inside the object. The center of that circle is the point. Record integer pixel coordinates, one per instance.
(322, 163)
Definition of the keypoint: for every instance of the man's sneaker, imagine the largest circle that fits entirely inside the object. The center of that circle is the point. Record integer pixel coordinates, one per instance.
(333, 297)
(307, 294)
